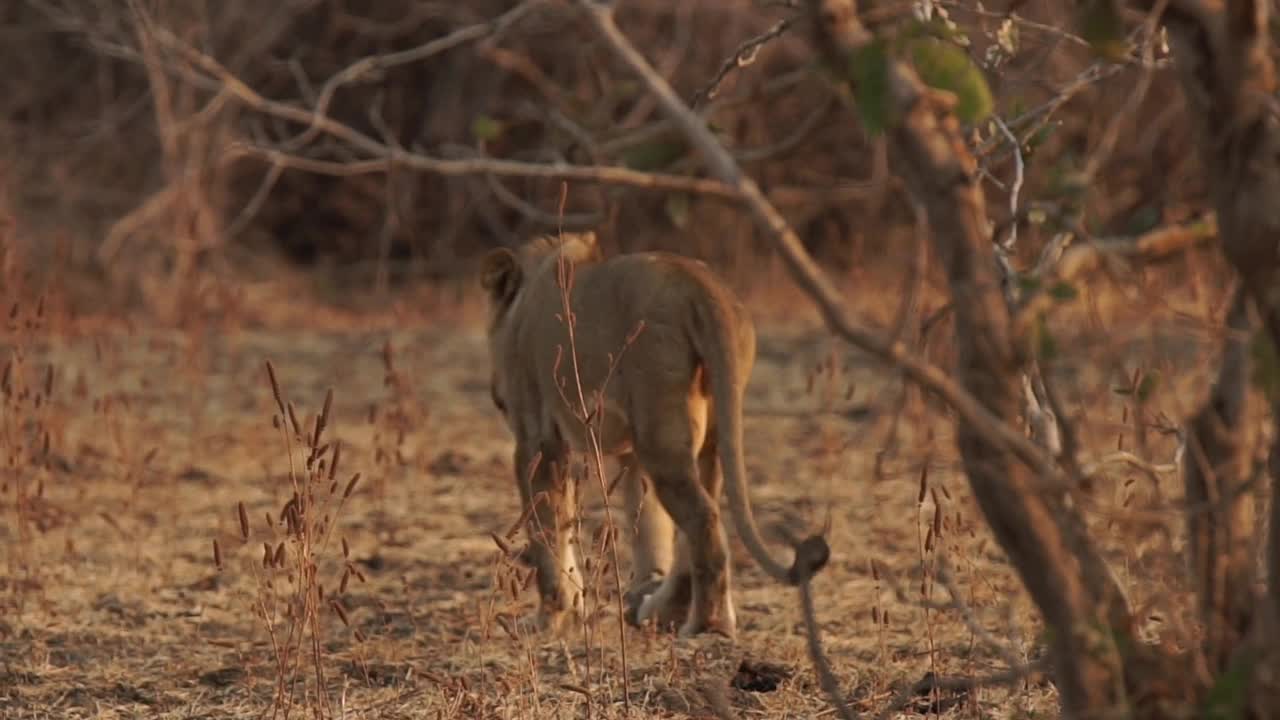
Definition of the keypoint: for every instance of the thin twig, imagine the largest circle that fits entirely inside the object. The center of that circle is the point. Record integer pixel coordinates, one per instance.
(1016, 20)
(1134, 99)
(960, 684)
(827, 678)
(743, 55)
(380, 153)
(251, 208)
(608, 175)
(1014, 189)
(1159, 244)
(380, 63)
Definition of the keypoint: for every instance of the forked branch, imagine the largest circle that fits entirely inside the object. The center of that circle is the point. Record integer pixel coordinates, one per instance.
(1081, 260)
(1041, 534)
(1224, 57)
(375, 156)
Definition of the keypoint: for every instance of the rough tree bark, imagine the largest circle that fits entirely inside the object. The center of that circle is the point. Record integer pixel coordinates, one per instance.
(1229, 80)
(1220, 514)
(1038, 530)
(1223, 52)
(1101, 668)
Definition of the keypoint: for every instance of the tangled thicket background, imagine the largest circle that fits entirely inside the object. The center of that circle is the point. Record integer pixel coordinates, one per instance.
(114, 149)
(162, 172)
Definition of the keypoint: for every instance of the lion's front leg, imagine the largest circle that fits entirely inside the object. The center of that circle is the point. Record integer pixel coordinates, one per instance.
(546, 485)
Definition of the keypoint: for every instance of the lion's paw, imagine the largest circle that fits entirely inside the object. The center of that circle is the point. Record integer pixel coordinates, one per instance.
(668, 605)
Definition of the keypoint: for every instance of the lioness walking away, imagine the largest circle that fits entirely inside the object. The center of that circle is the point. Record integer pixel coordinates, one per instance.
(672, 349)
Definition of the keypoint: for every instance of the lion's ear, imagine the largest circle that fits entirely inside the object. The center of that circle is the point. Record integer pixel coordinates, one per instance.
(500, 275)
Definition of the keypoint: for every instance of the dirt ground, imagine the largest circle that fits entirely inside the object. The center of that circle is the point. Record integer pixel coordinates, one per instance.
(113, 606)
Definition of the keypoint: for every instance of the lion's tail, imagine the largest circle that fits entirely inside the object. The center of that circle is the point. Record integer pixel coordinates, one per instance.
(716, 337)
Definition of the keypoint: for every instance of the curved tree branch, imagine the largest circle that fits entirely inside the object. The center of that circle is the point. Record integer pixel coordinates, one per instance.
(1042, 534)
(804, 270)
(1224, 60)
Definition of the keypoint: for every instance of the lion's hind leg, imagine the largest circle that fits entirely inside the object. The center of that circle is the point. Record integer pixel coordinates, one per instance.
(668, 452)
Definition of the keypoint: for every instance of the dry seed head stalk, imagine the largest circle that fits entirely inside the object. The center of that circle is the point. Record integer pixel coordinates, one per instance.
(291, 520)
(351, 486)
(293, 418)
(333, 463)
(275, 387)
(503, 545)
(244, 520)
(341, 611)
(505, 624)
(324, 418)
(217, 554)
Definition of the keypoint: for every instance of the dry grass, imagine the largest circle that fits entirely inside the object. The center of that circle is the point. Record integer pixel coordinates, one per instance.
(150, 443)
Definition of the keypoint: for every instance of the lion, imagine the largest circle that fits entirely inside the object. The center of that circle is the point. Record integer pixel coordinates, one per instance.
(669, 349)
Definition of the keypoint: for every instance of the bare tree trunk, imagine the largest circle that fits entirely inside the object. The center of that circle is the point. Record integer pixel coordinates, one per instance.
(1040, 533)
(1271, 615)
(1220, 513)
(1223, 54)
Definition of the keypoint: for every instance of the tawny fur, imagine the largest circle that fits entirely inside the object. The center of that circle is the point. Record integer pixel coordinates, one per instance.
(676, 349)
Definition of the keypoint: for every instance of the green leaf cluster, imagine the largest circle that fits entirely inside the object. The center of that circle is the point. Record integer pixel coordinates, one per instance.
(653, 155)
(944, 66)
(934, 49)
(485, 128)
(1102, 27)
